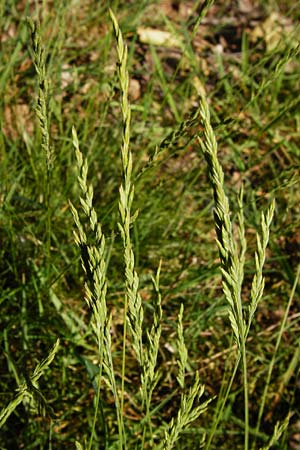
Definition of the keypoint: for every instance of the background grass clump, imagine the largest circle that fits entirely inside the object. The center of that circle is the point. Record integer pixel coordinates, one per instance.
(162, 127)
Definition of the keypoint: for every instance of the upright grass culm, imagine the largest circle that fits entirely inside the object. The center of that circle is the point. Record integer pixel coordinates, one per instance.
(42, 112)
(94, 264)
(93, 257)
(232, 259)
(133, 310)
(133, 303)
(146, 354)
(232, 256)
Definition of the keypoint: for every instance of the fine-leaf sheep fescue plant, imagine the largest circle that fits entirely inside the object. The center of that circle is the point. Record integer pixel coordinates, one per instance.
(232, 256)
(124, 326)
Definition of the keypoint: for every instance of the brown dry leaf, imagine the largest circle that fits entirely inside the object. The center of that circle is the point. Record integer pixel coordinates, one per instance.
(158, 37)
(17, 119)
(134, 89)
(176, 11)
(67, 76)
(275, 30)
(246, 6)
(167, 8)
(8, 34)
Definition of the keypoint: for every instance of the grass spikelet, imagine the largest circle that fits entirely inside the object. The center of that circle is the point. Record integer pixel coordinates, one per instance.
(279, 429)
(133, 310)
(39, 61)
(134, 314)
(188, 410)
(182, 350)
(42, 113)
(150, 373)
(258, 282)
(93, 255)
(93, 258)
(187, 413)
(28, 390)
(182, 131)
(231, 259)
(232, 255)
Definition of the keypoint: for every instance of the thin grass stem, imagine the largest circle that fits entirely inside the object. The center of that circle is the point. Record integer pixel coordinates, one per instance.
(274, 355)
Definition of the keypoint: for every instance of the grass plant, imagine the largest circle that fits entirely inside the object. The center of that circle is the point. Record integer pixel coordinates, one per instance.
(232, 256)
(42, 113)
(188, 333)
